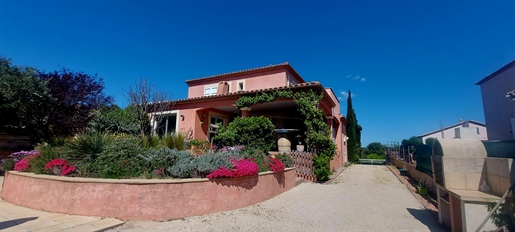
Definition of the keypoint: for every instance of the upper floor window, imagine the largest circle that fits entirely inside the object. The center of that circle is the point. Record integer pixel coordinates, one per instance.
(210, 90)
(240, 85)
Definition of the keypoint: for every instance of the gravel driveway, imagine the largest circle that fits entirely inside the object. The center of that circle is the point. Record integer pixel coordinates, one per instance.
(362, 198)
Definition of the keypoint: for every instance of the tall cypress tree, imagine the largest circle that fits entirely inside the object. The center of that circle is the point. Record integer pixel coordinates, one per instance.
(352, 129)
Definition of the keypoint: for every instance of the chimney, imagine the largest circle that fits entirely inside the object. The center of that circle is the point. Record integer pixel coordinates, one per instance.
(223, 88)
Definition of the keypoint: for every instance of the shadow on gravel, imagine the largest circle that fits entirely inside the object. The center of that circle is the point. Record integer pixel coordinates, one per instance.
(425, 217)
(15, 222)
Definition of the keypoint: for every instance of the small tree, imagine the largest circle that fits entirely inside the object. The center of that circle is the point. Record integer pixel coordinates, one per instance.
(75, 95)
(24, 98)
(145, 100)
(353, 144)
(430, 141)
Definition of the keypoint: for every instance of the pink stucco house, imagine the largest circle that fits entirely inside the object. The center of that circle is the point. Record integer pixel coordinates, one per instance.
(211, 100)
(498, 92)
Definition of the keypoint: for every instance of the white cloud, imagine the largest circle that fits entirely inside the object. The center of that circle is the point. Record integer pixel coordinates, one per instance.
(345, 95)
(362, 79)
(357, 77)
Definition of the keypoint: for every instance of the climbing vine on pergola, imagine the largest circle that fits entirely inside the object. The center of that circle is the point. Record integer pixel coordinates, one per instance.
(317, 133)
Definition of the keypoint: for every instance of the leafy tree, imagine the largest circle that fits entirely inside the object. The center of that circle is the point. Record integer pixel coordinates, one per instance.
(114, 119)
(146, 100)
(255, 132)
(74, 96)
(352, 132)
(376, 148)
(430, 141)
(24, 98)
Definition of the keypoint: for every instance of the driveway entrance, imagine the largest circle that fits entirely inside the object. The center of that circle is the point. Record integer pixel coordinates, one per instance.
(361, 198)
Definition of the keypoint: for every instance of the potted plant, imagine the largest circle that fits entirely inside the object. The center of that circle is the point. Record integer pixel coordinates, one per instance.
(422, 187)
(404, 171)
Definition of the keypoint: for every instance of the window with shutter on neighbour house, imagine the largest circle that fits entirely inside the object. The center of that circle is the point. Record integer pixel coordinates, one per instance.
(210, 90)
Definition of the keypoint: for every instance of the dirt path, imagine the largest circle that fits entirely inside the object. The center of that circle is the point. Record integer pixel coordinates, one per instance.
(362, 198)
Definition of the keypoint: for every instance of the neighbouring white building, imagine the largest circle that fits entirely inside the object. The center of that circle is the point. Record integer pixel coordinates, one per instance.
(498, 92)
(463, 129)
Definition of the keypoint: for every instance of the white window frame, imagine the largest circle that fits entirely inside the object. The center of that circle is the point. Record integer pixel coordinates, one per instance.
(215, 87)
(153, 122)
(229, 86)
(238, 85)
(224, 119)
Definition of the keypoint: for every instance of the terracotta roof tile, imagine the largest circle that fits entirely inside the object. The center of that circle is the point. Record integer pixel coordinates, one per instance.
(239, 72)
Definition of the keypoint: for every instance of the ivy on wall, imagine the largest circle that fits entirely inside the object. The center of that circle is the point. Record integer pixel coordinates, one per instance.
(317, 133)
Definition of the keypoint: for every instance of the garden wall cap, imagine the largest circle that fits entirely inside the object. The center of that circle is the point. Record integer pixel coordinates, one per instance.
(123, 181)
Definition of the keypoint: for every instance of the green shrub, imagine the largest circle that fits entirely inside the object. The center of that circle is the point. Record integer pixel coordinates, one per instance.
(286, 159)
(48, 153)
(175, 141)
(202, 165)
(322, 167)
(7, 164)
(59, 141)
(375, 156)
(115, 120)
(164, 158)
(151, 141)
(86, 147)
(256, 132)
(261, 158)
(122, 158)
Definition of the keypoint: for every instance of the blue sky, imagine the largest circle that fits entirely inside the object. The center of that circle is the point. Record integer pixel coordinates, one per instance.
(408, 64)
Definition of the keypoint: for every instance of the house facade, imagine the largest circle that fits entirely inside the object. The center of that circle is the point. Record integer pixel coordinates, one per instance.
(463, 129)
(211, 100)
(498, 93)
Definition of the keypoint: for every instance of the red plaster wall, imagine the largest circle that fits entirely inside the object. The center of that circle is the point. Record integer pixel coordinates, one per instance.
(142, 199)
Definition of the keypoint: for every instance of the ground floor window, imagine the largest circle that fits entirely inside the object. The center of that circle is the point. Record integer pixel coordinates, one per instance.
(165, 123)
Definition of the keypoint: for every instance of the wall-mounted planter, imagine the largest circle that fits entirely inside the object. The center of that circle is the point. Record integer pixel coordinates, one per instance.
(138, 199)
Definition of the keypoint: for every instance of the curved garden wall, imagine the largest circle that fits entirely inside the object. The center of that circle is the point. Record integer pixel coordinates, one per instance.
(137, 199)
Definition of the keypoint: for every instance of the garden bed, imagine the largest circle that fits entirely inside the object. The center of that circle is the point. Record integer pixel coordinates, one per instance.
(142, 199)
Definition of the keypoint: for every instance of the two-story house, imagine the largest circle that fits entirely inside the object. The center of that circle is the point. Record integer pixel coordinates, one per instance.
(211, 100)
(498, 92)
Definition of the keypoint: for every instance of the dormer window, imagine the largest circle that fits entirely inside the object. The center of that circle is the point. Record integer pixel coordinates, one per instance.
(210, 90)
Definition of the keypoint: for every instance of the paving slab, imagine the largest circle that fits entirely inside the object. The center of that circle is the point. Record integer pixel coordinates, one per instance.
(17, 218)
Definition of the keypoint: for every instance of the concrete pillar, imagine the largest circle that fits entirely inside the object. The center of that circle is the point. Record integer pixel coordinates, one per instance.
(245, 112)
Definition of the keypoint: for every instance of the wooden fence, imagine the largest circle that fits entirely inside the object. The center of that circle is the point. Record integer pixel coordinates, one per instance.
(303, 162)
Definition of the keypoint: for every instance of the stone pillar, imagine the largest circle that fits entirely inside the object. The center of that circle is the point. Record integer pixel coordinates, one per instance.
(245, 112)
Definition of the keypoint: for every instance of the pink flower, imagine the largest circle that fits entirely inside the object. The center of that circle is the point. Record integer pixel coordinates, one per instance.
(24, 164)
(276, 165)
(66, 168)
(243, 167)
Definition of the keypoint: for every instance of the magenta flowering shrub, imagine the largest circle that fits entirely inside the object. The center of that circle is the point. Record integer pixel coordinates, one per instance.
(23, 164)
(242, 167)
(276, 165)
(66, 167)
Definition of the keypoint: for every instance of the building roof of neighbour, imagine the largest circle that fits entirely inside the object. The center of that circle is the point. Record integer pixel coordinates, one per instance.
(230, 95)
(451, 126)
(496, 72)
(249, 71)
